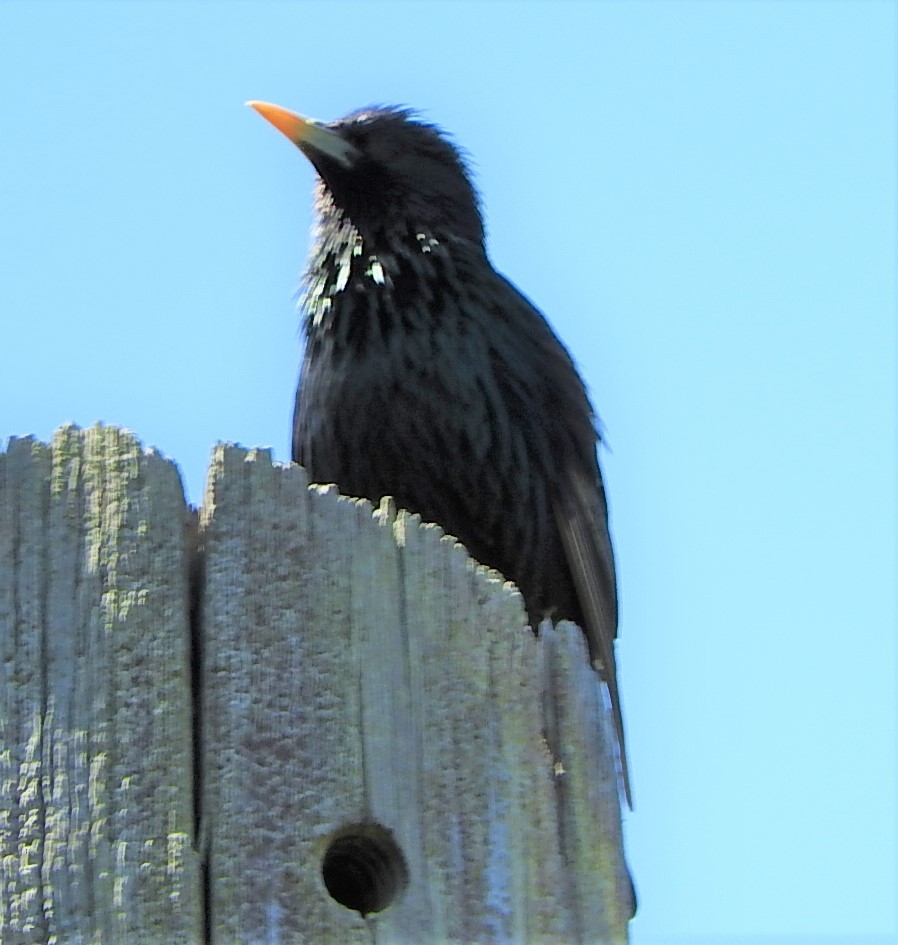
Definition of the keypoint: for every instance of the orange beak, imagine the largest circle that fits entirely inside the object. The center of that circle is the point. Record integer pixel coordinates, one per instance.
(310, 136)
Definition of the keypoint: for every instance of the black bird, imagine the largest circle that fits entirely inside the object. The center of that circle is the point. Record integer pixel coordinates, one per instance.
(428, 377)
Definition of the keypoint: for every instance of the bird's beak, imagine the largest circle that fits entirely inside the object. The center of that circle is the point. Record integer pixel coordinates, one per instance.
(310, 136)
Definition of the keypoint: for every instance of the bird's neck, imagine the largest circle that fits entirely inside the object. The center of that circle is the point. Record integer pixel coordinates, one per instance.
(349, 270)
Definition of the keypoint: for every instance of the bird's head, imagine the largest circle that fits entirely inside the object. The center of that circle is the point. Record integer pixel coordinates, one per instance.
(386, 172)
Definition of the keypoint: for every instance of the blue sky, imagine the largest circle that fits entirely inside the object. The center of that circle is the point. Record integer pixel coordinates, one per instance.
(700, 196)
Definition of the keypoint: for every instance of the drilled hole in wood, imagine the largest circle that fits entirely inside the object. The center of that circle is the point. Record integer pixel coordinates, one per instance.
(363, 868)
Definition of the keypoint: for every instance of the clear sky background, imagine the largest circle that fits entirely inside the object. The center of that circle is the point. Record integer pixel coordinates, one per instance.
(701, 197)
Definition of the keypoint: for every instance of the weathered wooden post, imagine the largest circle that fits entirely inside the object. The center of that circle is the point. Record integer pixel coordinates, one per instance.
(384, 749)
(96, 758)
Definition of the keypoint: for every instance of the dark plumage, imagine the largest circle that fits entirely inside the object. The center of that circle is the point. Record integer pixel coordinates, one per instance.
(429, 377)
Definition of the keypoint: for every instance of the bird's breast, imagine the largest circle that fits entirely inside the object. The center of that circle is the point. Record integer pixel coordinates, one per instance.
(394, 370)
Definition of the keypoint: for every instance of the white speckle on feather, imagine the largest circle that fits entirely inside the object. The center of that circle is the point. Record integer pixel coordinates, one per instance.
(343, 275)
(427, 242)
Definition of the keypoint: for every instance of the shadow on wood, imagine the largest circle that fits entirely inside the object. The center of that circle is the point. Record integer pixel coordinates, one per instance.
(385, 751)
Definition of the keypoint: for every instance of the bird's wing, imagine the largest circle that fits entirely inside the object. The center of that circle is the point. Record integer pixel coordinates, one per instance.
(578, 500)
(582, 516)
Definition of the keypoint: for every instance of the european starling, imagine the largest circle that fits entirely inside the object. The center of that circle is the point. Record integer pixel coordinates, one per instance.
(428, 377)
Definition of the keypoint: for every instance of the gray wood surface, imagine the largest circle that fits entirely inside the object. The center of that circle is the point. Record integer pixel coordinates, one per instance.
(364, 689)
(96, 763)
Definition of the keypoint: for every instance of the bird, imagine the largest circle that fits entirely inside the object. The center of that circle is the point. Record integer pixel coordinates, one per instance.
(427, 376)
